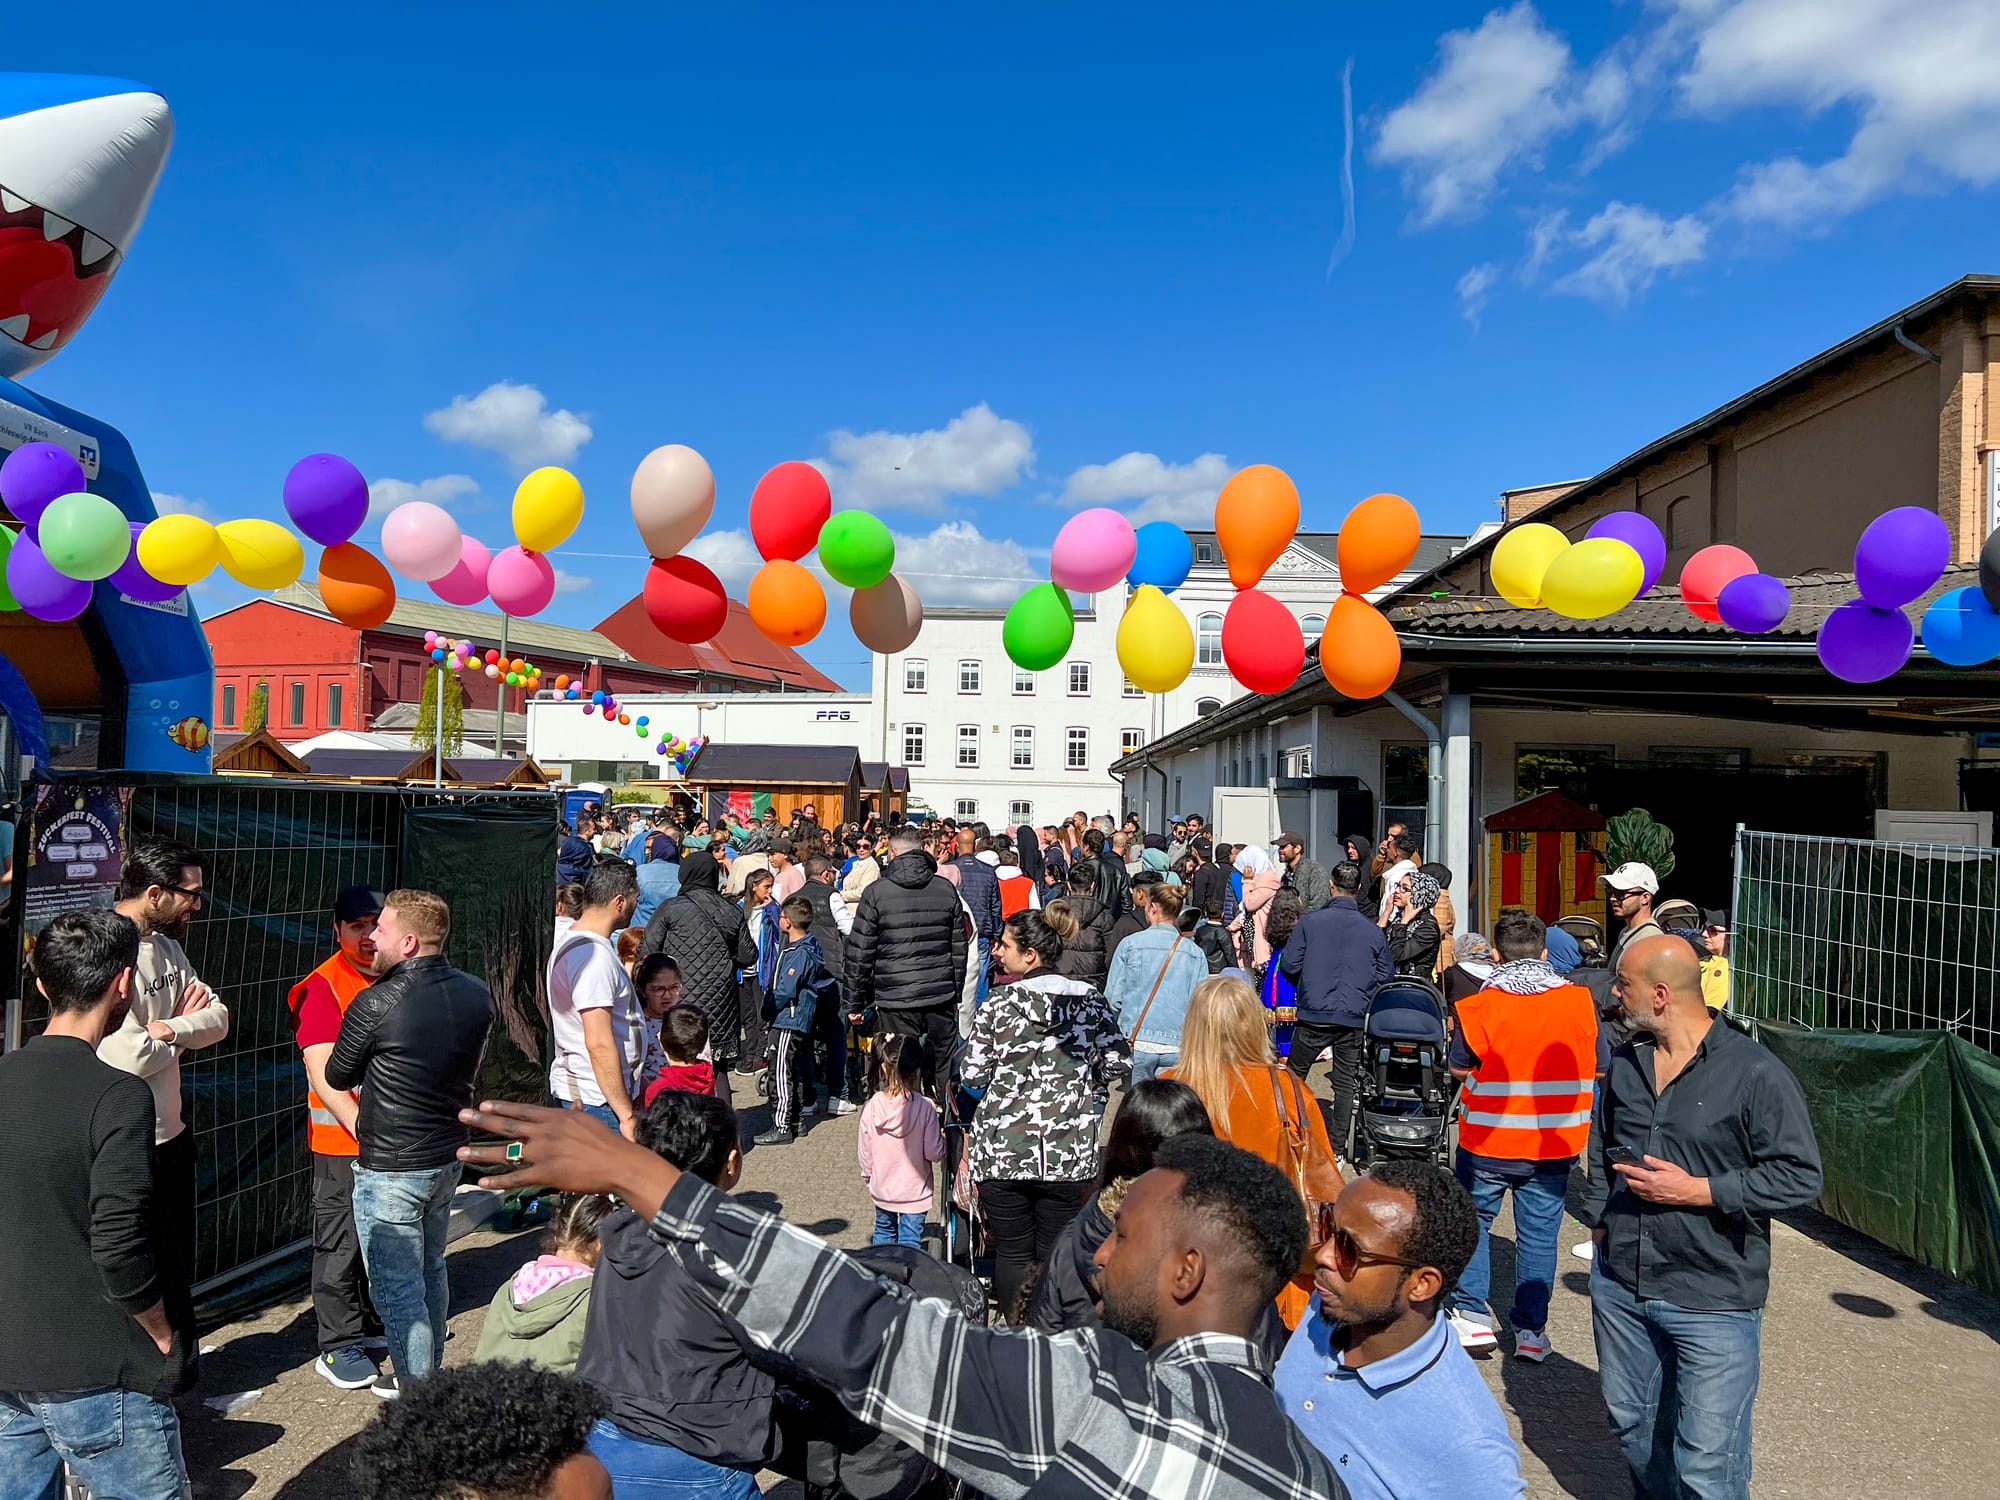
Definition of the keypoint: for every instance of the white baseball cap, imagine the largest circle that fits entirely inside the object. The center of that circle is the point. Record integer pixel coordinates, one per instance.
(1633, 876)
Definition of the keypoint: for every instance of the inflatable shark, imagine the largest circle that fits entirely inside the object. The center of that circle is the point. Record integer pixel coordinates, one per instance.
(79, 159)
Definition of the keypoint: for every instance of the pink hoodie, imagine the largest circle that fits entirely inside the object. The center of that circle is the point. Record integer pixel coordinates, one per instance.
(900, 1142)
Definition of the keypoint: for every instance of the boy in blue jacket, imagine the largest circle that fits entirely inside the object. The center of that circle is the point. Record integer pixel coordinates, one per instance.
(800, 986)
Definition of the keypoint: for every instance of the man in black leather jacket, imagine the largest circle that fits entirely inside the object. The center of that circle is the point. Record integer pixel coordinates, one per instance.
(1114, 882)
(411, 1042)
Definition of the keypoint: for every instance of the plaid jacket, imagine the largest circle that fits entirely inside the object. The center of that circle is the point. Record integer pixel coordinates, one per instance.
(1084, 1415)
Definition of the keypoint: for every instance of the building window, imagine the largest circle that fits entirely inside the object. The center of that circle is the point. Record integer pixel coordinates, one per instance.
(1686, 522)
(1024, 748)
(1130, 740)
(1206, 707)
(1208, 641)
(1312, 625)
(968, 677)
(1020, 812)
(298, 703)
(916, 676)
(913, 744)
(1079, 679)
(229, 706)
(1557, 768)
(1204, 552)
(1297, 761)
(1133, 690)
(1076, 755)
(1024, 683)
(334, 695)
(968, 744)
(965, 807)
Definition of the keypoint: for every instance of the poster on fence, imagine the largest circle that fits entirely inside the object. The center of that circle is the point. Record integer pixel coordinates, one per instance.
(76, 844)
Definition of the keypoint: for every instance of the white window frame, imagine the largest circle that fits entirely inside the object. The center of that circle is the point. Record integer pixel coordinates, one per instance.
(977, 674)
(1020, 811)
(1204, 552)
(1130, 740)
(1132, 689)
(1296, 761)
(913, 734)
(1312, 625)
(1076, 748)
(1024, 683)
(1208, 640)
(1023, 735)
(966, 738)
(1074, 668)
(916, 674)
(966, 807)
(1205, 706)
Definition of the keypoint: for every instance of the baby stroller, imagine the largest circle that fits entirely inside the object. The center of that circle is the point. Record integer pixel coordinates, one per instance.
(1405, 1092)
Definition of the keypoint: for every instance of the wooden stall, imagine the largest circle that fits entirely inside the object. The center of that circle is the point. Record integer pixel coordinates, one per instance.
(885, 790)
(1544, 855)
(752, 779)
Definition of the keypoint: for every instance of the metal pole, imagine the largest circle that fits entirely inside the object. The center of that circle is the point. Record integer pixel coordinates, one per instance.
(500, 703)
(437, 728)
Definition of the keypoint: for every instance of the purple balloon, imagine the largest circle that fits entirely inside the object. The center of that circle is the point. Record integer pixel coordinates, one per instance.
(1641, 535)
(36, 473)
(134, 582)
(41, 590)
(326, 497)
(1754, 604)
(1859, 643)
(1902, 553)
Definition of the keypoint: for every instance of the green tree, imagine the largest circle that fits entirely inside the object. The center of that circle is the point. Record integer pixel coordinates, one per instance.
(425, 735)
(1635, 835)
(259, 711)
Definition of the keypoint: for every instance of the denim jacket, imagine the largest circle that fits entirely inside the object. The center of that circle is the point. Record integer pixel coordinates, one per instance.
(801, 985)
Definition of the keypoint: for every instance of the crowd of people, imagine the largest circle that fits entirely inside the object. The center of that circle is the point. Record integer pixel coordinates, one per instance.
(1088, 1044)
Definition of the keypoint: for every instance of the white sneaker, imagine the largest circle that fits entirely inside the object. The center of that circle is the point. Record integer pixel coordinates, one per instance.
(1533, 1347)
(1584, 1250)
(1472, 1334)
(845, 1106)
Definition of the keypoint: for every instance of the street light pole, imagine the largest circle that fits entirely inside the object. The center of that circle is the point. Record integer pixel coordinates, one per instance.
(500, 703)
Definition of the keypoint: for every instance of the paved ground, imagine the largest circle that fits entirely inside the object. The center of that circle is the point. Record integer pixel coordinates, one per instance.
(1880, 1379)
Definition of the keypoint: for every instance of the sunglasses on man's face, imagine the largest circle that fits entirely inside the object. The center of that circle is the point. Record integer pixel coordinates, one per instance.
(1348, 1256)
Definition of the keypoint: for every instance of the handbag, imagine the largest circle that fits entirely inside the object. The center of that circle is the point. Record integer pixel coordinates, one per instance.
(1152, 994)
(1309, 1169)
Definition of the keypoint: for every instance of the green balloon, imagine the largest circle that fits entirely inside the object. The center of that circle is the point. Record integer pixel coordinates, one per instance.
(7, 599)
(856, 549)
(84, 536)
(1039, 628)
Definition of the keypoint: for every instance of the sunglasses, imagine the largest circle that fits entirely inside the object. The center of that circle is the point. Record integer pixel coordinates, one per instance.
(196, 895)
(1348, 1256)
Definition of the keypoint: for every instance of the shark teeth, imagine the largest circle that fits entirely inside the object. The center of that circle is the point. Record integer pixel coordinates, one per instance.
(94, 249)
(54, 226)
(10, 203)
(15, 328)
(47, 340)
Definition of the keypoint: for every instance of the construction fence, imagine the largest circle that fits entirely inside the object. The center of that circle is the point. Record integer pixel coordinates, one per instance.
(1869, 969)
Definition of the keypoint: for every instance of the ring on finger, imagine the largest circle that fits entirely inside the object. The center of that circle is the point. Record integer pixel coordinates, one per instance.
(513, 1152)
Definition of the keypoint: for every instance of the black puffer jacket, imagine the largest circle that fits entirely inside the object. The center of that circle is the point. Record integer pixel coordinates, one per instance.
(907, 948)
(411, 1042)
(704, 932)
(979, 883)
(1088, 956)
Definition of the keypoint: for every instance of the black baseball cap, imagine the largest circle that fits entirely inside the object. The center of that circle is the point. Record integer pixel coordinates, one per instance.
(357, 901)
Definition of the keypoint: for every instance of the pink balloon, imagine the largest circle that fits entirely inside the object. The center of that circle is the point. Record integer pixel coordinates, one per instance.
(466, 583)
(421, 540)
(521, 582)
(1093, 550)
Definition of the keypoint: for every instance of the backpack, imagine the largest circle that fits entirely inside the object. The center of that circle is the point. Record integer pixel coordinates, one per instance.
(838, 1458)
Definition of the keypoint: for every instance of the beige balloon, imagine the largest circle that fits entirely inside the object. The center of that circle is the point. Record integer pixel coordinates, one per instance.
(673, 495)
(886, 616)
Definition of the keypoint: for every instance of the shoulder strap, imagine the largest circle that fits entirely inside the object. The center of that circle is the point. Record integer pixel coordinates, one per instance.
(1284, 1115)
(1153, 993)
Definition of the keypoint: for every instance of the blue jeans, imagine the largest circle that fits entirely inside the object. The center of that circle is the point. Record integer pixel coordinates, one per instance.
(982, 957)
(118, 1442)
(1149, 1065)
(403, 1220)
(640, 1467)
(1538, 1210)
(892, 1228)
(600, 1113)
(1680, 1384)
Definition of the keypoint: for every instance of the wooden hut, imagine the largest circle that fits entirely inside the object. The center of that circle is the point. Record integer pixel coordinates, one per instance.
(1544, 855)
(885, 789)
(752, 779)
(259, 753)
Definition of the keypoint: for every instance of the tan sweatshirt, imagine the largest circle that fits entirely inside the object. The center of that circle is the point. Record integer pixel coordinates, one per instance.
(162, 979)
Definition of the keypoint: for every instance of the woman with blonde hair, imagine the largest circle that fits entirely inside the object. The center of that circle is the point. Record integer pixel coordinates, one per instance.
(1252, 1102)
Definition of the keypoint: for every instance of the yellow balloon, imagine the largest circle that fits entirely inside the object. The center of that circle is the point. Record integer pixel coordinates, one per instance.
(260, 554)
(1597, 577)
(547, 506)
(1521, 559)
(179, 549)
(1155, 642)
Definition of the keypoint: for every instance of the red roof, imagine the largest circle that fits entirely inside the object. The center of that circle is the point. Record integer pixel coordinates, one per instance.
(739, 650)
(1551, 812)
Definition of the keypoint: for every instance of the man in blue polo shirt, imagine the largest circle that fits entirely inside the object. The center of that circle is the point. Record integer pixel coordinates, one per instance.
(1374, 1375)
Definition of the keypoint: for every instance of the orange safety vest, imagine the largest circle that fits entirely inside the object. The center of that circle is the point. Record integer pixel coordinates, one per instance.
(325, 1135)
(1529, 1098)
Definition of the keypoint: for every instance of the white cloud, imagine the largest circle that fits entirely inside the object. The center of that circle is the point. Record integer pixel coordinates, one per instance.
(1628, 247)
(514, 421)
(977, 452)
(570, 583)
(1474, 287)
(181, 505)
(952, 564)
(384, 495)
(1182, 493)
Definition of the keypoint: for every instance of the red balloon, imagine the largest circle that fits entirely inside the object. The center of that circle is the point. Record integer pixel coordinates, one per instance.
(1707, 573)
(787, 509)
(1262, 642)
(685, 600)
(492, 658)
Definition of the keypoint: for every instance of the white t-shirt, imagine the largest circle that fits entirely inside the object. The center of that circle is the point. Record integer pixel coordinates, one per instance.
(585, 974)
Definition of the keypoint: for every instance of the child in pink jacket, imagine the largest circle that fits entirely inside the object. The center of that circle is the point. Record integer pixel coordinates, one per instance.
(901, 1141)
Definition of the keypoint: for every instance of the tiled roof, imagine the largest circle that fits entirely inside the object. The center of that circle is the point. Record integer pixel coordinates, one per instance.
(739, 650)
(1431, 550)
(413, 616)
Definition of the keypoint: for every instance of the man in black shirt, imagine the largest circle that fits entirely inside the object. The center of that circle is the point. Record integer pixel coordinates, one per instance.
(1703, 1135)
(85, 1348)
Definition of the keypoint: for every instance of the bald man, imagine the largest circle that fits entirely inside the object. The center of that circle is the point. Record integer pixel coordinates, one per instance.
(1703, 1135)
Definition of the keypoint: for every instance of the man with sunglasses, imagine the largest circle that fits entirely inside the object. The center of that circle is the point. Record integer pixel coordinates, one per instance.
(160, 889)
(1374, 1375)
(1632, 890)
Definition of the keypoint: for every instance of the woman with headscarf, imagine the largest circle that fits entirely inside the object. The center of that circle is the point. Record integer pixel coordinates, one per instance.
(659, 877)
(1156, 860)
(1261, 881)
(704, 932)
(1028, 852)
(1413, 934)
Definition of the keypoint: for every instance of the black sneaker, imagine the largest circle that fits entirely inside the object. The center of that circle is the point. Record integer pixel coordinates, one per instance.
(385, 1388)
(773, 1137)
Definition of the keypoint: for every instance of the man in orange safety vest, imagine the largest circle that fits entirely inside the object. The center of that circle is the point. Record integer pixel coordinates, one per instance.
(349, 1331)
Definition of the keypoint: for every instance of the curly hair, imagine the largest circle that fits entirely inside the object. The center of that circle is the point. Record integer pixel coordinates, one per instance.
(1249, 1199)
(497, 1430)
(1444, 1230)
(696, 1132)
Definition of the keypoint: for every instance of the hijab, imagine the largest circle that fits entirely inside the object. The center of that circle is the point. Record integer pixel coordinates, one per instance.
(660, 846)
(1424, 891)
(1252, 861)
(1156, 859)
(700, 872)
(1028, 851)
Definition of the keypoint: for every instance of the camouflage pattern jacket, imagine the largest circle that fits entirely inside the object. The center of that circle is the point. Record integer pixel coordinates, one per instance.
(1043, 1050)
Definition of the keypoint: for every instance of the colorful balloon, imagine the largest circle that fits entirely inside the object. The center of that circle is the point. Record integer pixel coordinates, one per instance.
(35, 474)
(326, 497)
(856, 549)
(1377, 541)
(788, 509)
(179, 549)
(260, 554)
(1596, 577)
(1359, 652)
(1641, 535)
(1256, 517)
(1859, 643)
(465, 584)
(887, 617)
(685, 600)
(1093, 550)
(673, 495)
(354, 586)
(1989, 569)
(133, 581)
(1262, 643)
(38, 588)
(1962, 629)
(1707, 573)
(84, 536)
(786, 603)
(1754, 604)
(521, 582)
(1155, 642)
(1163, 556)
(421, 541)
(1901, 554)
(548, 504)
(1521, 560)
(1039, 628)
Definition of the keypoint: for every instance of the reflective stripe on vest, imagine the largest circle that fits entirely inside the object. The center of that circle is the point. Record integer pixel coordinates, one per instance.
(1529, 1098)
(325, 1135)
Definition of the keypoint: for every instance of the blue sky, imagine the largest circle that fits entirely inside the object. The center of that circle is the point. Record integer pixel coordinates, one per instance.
(1056, 256)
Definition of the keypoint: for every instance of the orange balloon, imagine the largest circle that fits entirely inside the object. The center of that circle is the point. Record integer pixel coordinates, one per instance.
(355, 587)
(786, 603)
(625, 719)
(1377, 541)
(1359, 652)
(562, 681)
(1256, 516)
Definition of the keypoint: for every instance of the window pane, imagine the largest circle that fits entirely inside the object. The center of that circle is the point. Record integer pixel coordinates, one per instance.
(1078, 754)
(1312, 625)
(1206, 707)
(1024, 682)
(913, 744)
(229, 705)
(298, 697)
(965, 807)
(1204, 552)
(333, 696)
(968, 744)
(1543, 768)
(1131, 739)
(968, 677)
(1208, 641)
(1020, 812)
(914, 675)
(1133, 690)
(1024, 748)
(1079, 678)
